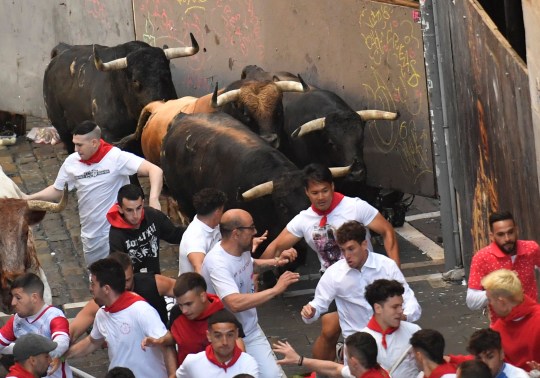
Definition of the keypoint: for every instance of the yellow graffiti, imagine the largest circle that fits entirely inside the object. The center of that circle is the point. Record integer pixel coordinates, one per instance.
(394, 80)
(148, 35)
(193, 8)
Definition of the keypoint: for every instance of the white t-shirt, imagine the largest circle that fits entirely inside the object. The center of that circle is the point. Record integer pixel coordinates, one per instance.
(198, 237)
(97, 186)
(346, 286)
(198, 366)
(124, 331)
(511, 371)
(397, 344)
(226, 274)
(322, 239)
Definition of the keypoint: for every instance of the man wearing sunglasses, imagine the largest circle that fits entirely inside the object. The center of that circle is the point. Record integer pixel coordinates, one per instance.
(228, 270)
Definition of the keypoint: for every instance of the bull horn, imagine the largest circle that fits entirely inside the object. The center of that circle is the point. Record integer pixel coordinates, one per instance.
(224, 98)
(291, 86)
(50, 206)
(340, 171)
(308, 127)
(258, 191)
(180, 52)
(368, 115)
(117, 64)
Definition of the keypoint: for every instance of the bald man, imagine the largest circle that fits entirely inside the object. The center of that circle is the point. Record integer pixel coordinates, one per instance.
(228, 269)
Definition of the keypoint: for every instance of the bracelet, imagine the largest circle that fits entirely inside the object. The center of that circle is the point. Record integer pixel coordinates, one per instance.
(300, 360)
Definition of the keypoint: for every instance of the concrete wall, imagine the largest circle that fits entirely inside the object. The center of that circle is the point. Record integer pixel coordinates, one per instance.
(30, 29)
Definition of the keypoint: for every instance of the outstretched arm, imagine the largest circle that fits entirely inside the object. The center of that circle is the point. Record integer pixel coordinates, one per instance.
(290, 357)
(84, 347)
(385, 229)
(240, 302)
(155, 175)
(285, 240)
(50, 193)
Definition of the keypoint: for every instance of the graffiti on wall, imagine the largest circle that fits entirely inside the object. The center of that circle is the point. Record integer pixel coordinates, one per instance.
(396, 82)
(234, 28)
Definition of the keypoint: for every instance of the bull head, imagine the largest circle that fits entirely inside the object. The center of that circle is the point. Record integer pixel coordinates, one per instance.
(170, 53)
(320, 123)
(267, 188)
(233, 95)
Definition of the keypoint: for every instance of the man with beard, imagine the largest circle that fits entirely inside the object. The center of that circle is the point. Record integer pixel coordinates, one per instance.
(228, 270)
(504, 252)
(31, 352)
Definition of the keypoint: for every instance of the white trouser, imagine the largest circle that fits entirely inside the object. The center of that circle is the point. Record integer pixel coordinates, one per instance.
(95, 248)
(258, 347)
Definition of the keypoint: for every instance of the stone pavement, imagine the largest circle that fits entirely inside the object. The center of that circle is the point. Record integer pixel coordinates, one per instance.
(34, 166)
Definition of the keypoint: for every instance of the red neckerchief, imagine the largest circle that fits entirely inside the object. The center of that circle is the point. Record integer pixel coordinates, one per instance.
(102, 150)
(375, 326)
(335, 201)
(376, 372)
(19, 371)
(117, 220)
(442, 369)
(126, 299)
(237, 352)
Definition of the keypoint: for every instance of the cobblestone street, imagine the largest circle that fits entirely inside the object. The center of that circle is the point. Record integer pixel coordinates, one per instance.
(33, 167)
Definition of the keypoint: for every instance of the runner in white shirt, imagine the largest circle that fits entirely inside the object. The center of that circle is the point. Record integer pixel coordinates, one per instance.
(389, 329)
(228, 270)
(33, 315)
(222, 358)
(317, 225)
(203, 231)
(346, 281)
(124, 321)
(96, 170)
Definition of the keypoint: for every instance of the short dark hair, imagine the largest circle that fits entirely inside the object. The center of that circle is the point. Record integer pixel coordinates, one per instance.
(380, 290)
(130, 192)
(123, 258)
(500, 216)
(351, 230)
(223, 316)
(431, 343)
(30, 283)
(243, 375)
(109, 272)
(317, 173)
(363, 346)
(120, 372)
(474, 369)
(208, 200)
(83, 128)
(484, 340)
(189, 281)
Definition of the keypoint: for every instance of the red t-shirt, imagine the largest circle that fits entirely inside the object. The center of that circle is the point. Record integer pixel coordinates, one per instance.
(491, 258)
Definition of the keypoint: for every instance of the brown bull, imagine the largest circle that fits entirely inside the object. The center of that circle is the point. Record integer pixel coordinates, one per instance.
(17, 249)
(257, 104)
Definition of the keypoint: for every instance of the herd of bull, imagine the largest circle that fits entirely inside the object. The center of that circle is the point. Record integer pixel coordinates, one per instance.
(247, 139)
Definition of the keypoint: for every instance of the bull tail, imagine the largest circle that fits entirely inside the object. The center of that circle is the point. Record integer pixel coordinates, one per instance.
(147, 111)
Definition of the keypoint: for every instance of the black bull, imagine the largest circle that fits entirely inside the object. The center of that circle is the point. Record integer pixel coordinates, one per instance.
(215, 150)
(320, 127)
(109, 85)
